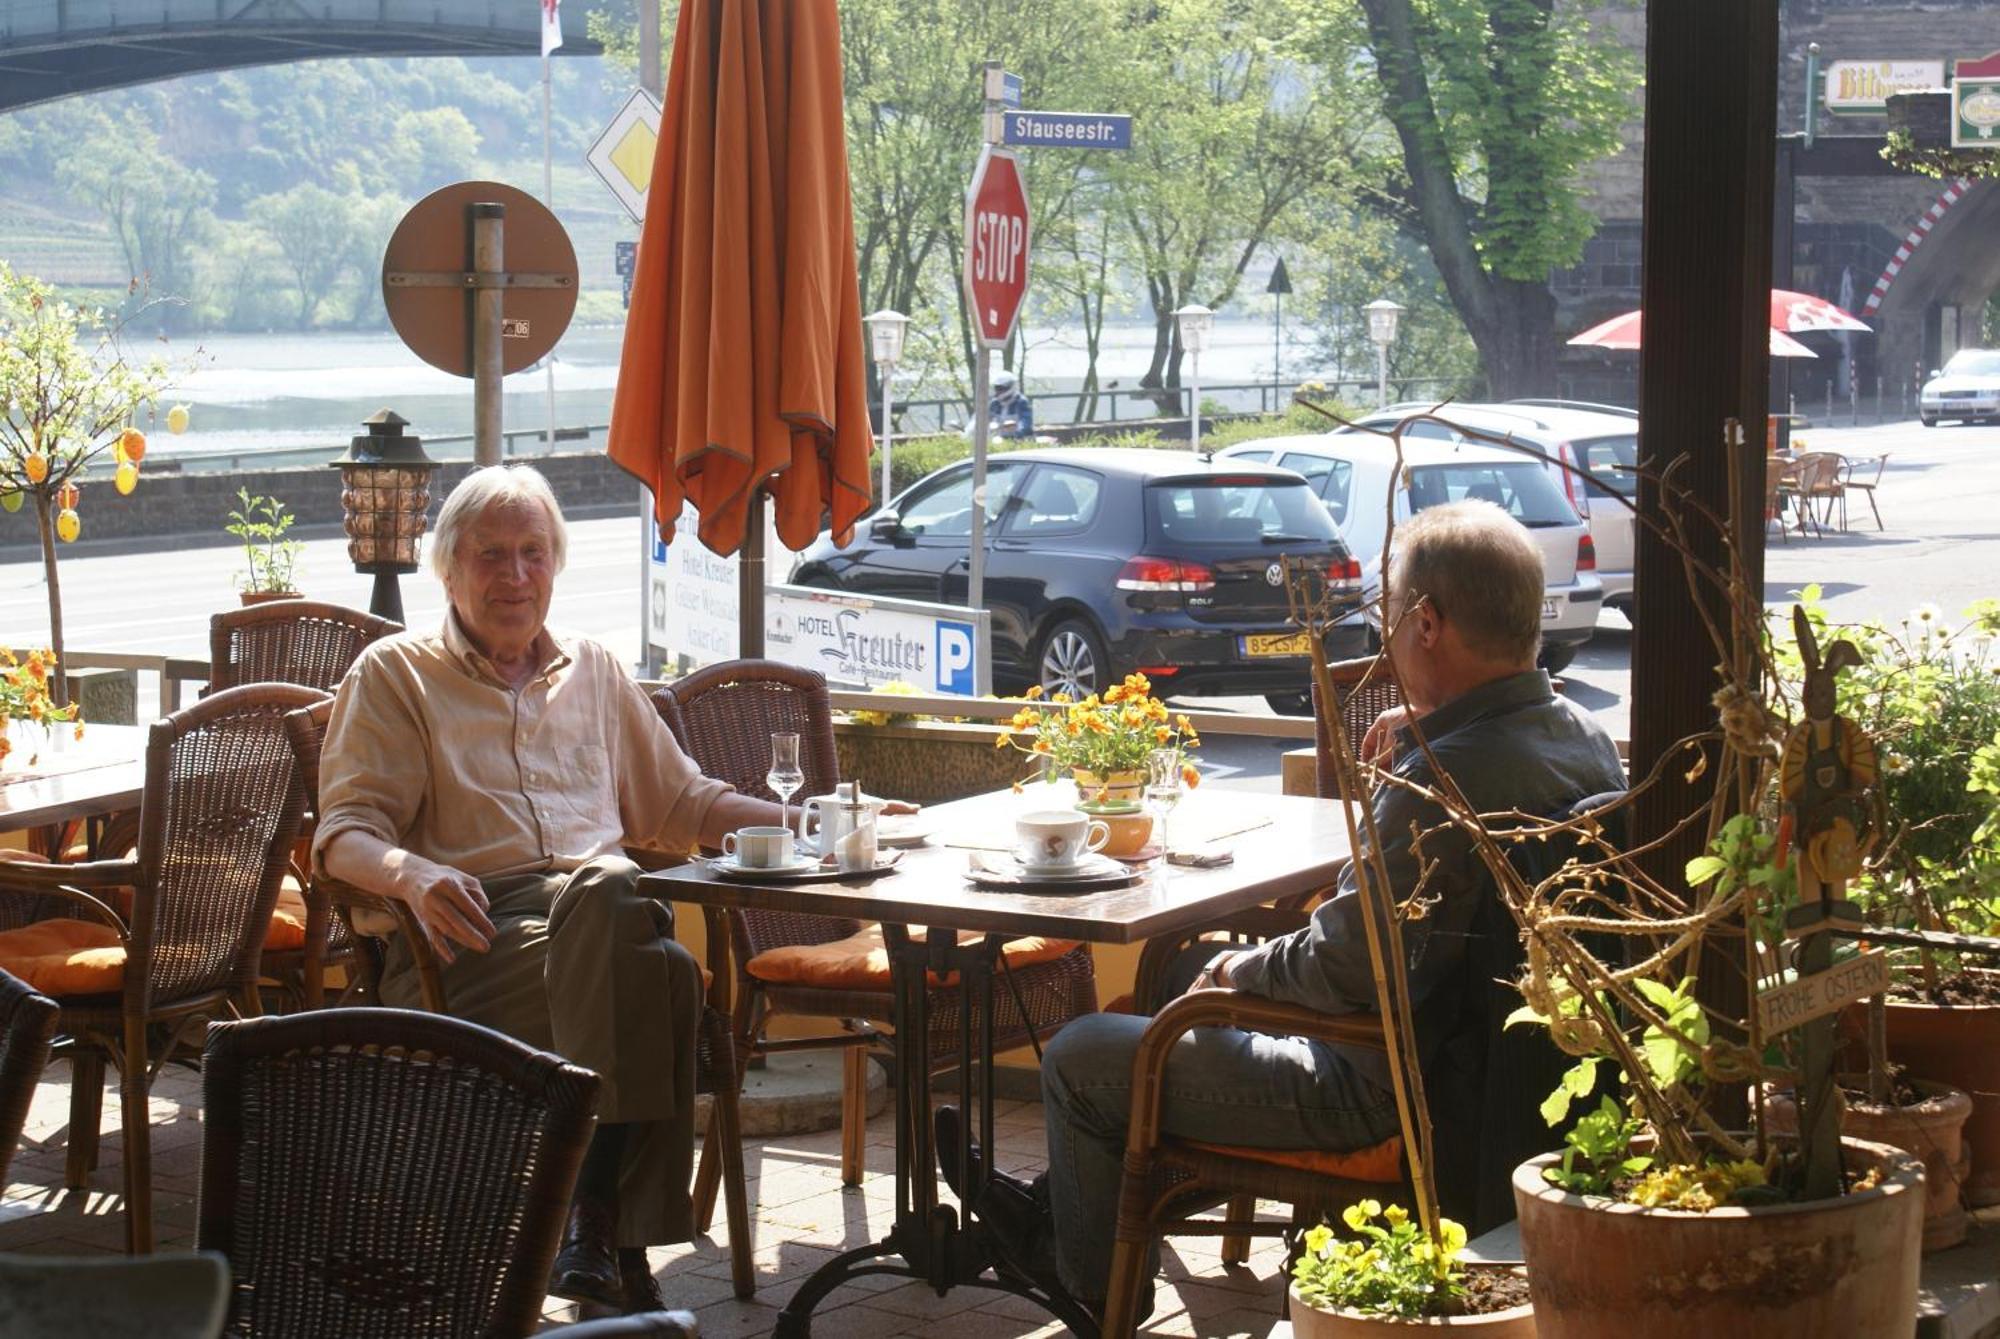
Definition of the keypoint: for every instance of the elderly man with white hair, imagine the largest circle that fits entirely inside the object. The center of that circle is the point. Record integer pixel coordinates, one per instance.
(487, 774)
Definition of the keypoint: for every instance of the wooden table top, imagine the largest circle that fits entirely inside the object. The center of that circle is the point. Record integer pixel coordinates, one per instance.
(1283, 844)
(70, 778)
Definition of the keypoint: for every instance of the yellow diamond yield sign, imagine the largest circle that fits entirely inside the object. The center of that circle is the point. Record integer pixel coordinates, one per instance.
(623, 154)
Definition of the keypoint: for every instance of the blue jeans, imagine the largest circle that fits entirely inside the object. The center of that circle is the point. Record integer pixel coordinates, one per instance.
(1221, 1085)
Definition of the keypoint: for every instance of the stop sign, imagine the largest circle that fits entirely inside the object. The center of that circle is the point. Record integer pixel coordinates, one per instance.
(996, 245)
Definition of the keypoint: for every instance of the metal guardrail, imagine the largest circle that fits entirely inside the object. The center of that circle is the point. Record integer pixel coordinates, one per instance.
(912, 418)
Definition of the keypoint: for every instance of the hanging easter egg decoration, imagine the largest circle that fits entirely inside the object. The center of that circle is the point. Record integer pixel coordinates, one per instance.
(126, 479)
(177, 419)
(134, 443)
(35, 466)
(68, 525)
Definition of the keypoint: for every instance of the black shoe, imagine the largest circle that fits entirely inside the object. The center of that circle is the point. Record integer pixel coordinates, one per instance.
(585, 1269)
(638, 1290)
(946, 1132)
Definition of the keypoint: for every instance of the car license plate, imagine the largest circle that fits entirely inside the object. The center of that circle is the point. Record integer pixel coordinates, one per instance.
(1277, 644)
(1548, 608)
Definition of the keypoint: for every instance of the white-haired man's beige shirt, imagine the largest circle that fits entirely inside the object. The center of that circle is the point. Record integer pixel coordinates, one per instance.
(429, 749)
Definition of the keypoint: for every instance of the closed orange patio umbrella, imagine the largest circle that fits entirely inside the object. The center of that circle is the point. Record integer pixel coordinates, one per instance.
(743, 370)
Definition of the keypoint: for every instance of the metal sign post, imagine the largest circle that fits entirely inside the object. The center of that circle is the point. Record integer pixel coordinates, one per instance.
(479, 280)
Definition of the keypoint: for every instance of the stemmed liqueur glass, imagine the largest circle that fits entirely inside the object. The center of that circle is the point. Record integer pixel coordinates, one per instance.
(785, 776)
(1164, 788)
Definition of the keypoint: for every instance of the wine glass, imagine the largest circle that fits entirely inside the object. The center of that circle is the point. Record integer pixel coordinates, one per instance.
(785, 776)
(1164, 788)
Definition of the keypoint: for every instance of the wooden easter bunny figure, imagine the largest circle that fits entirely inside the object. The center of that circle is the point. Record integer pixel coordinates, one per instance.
(1826, 778)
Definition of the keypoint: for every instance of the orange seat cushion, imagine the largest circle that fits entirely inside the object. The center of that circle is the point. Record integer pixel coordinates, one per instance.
(1378, 1162)
(861, 961)
(64, 956)
(288, 919)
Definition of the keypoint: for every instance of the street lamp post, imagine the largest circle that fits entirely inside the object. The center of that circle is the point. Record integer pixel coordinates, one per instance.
(1195, 321)
(1382, 317)
(885, 334)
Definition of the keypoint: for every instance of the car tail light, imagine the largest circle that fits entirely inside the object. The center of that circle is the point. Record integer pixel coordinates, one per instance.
(1165, 574)
(1586, 554)
(1343, 576)
(1573, 489)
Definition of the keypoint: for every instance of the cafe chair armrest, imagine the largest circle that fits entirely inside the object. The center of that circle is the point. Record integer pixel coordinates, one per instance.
(70, 882)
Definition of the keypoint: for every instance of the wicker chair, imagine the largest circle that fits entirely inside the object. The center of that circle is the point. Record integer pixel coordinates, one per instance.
(384, 1172)
(289, 641)
(724, 717)
(1819, 490)
(311, 643)
(1485, 1118)
(27, 1027)
(1363, 689)
(369, 918)
(218, 817)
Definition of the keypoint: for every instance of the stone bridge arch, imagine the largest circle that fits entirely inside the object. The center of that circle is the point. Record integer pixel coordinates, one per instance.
(55, 48)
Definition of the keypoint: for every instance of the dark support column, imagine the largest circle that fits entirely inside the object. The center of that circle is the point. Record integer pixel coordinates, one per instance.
(1711, 126)
(1784, 213)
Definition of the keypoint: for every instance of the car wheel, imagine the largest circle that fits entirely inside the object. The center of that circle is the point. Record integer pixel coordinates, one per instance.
(1929, 421)
(1290, 704)
(1073, 660)
(1555, 656)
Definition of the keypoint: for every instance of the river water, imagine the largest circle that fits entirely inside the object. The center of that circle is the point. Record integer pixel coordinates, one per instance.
(254, 393)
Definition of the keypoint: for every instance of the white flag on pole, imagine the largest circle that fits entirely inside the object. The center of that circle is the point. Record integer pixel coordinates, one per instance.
(551, 27)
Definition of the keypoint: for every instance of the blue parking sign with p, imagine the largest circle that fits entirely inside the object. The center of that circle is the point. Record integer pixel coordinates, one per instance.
(953, 657)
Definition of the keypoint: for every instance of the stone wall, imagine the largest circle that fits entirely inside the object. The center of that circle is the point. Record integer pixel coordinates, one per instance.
(195, 507)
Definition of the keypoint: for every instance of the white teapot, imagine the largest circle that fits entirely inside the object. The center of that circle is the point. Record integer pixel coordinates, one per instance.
(839, 814)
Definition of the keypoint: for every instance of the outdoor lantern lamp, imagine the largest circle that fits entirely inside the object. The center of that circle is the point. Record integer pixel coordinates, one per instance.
(1194, 321)
(385, 492)
(885, 333)
(1382, 317)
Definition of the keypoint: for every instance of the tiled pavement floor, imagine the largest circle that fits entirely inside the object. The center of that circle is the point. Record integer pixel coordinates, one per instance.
(802, 1216)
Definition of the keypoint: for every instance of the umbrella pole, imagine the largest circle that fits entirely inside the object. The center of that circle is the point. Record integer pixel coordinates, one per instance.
(982, 426)
(488, 360)
(750, 583)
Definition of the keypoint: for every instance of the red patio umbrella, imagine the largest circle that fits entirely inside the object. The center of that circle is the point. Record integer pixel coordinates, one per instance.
(1622, 332)
(743, 369)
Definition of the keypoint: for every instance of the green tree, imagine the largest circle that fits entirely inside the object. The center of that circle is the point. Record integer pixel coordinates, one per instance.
(311, 227)
(157, 209)
(1497, 107)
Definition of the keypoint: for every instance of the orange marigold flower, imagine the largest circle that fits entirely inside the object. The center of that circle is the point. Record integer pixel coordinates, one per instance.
(1061, 699)
(1136, 682)
(1114, 692)
(1017, 788)
(1189, 776)
(1041, 746)
(1161, 734)
(1034, 691)
(1003, 741)
(78, 732)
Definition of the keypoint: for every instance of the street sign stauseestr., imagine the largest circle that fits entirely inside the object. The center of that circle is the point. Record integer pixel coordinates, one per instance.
(1067, 130)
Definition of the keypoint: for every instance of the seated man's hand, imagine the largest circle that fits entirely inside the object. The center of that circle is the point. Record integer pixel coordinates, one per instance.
(1215, 976)
(1378, 746)
(448, 903)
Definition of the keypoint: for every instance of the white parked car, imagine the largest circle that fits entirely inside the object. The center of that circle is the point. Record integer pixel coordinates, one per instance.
(1351, 472)
(1968, 388)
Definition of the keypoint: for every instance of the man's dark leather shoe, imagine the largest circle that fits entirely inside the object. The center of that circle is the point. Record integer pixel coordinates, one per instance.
(946, 1132)
(638, 1290)
(585, 1269)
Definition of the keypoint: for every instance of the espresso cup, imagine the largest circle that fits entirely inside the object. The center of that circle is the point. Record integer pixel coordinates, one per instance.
(1057, 838)
(759, 848)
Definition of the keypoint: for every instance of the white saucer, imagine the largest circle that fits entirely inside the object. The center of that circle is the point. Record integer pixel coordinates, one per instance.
(729, 864)
(902, 829)
(1092, 866)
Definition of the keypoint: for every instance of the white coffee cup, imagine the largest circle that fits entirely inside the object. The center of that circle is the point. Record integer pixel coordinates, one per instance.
(759, 848)
(1053, 839)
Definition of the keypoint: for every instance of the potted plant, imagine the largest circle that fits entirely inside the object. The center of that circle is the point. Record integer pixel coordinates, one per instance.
(1391, 1275)
(68, 398)
(260, 524)
(26, 704)
(1929, 694)
(1102, 741)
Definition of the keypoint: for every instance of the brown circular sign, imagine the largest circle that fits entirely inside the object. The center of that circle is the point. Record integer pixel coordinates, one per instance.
(428, 291)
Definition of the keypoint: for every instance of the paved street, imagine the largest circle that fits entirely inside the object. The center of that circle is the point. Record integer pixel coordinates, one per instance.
(1940, 501)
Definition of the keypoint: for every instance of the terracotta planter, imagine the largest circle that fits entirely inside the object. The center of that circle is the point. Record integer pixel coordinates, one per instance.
(1845, 1266)
(1116, 787)
(1309, 1322)
(1931, 1132)
(1958, 1046)
(250, 597)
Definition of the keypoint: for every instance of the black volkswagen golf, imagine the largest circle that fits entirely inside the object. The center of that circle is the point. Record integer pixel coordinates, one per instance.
(1102, 561)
